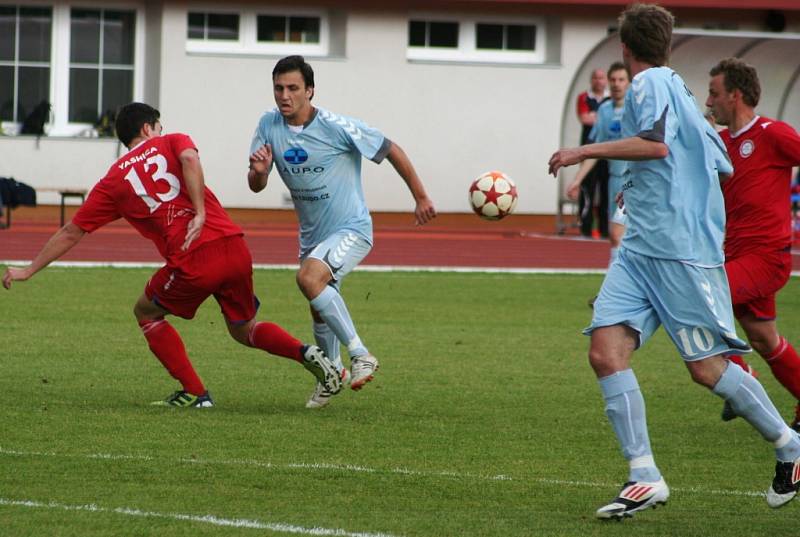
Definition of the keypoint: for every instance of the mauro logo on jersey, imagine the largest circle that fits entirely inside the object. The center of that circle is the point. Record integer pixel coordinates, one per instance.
(294, 157)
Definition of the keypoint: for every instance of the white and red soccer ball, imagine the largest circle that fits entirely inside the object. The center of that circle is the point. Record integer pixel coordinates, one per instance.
(493, 195)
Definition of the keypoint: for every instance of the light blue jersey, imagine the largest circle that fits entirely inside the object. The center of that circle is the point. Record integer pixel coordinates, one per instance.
(321, 167)
(607, 128)
(674, 205)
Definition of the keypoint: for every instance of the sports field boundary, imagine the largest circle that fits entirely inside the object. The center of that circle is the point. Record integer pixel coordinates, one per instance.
(347, 468)
(278, 527)
(361, 268)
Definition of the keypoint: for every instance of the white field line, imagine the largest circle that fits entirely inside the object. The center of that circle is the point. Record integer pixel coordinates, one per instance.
(363, 268)
(367, 470)
(204, 519)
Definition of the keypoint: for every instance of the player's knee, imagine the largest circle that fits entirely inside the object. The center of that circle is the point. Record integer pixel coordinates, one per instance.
(704, 373)
(310, 282)
(600, 361)
(241, 332)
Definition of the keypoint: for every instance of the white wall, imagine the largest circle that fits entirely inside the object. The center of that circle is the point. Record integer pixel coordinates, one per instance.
(454, 120)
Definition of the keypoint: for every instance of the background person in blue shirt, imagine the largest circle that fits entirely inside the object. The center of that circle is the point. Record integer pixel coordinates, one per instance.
(318, 155)
(669, 270)
(608, 126)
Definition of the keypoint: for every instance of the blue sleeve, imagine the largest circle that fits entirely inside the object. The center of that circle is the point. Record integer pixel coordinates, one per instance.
(261, 134)
(722, 161)
(654, 116)
(356, 134)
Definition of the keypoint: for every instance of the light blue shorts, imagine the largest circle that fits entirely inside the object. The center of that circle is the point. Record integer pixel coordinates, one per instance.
(693, 304)
(341, 252)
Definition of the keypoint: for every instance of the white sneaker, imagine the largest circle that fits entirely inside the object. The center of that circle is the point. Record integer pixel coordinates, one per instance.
(321, 397)
(635, 496)
(363, 370)
(322, 368)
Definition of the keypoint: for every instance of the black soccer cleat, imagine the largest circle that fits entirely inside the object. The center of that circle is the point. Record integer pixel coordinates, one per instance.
(785, 484)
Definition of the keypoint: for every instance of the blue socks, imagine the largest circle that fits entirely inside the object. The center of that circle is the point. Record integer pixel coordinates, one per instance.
(748, 398)
(329, 343)
(626, 412)
(331, 307)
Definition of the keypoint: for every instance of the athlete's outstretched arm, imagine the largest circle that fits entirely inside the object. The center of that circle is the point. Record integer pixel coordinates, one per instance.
(59, 244)
(260, 164)
(424, 210)
(574, 187)
(196, 188)
(632, 148)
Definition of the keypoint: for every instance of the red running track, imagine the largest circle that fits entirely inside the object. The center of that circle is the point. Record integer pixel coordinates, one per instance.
(519, 242)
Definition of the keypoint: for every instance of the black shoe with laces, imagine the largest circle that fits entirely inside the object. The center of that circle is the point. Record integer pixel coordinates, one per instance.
(185, 399)
(785, 484)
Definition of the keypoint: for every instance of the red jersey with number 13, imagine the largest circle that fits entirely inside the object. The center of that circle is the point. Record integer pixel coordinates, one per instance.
(146, 188)
(758, 194)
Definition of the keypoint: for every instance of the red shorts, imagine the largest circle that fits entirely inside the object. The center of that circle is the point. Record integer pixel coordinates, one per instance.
(223, 268)
(754, 280)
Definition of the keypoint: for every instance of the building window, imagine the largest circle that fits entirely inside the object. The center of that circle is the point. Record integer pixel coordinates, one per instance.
(505, 37)
(432, 34)
(486, 39)
(213, 26)
(101, 68)
(25, 42)
(260, 30)
(282, 29)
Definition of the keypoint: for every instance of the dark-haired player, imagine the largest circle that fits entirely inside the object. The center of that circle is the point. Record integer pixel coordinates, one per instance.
(158, 187)
(758, 230)
(318, 155)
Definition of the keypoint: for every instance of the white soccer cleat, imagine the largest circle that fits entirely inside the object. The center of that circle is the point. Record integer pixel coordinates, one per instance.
(635, 496)
(322, 368)
(321, 397)
(785, 484)
(363, 370)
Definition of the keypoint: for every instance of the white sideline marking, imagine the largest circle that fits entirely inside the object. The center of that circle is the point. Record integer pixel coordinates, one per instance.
(363, 268)
(293, 266)
(205, 519)
(364, 469)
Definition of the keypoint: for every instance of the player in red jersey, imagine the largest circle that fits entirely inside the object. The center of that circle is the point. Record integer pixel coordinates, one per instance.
(158, 187)
(758, 232)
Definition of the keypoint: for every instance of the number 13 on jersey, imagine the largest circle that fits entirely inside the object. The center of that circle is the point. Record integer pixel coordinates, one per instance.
(159, 174)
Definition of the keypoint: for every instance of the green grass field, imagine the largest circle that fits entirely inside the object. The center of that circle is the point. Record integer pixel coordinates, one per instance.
(485, 419)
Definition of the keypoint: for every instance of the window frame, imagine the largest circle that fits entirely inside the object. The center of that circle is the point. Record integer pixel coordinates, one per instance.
(59, 124)
(16, 63)
(467, 51)
(248, 32)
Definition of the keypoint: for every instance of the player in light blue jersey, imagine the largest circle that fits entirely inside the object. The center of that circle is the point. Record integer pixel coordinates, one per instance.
(669, 268)
(318, 155)
(608, 126)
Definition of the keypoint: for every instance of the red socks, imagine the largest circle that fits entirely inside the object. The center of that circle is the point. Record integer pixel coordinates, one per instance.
(785, 365)
(275, 340)
(738, 360)
(168, 347)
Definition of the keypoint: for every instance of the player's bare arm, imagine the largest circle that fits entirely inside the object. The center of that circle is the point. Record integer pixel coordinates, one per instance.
(575, 186)
(632, 148)
(424, 210)
(195, 187)
(60, 243)
(260, 164)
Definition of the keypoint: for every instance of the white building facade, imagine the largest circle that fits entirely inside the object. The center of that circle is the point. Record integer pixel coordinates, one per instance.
(463, 87)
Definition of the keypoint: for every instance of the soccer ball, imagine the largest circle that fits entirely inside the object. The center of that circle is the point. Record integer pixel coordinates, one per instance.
(493, 195)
